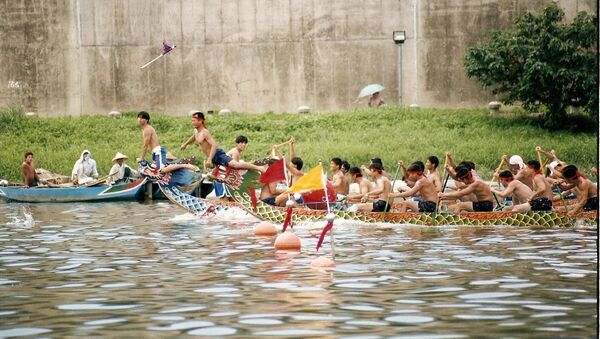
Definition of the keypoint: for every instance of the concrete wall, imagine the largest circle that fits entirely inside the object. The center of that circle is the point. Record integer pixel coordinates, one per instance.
(72, 57)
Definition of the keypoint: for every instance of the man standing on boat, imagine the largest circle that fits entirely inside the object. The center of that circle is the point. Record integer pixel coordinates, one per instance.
(30, 178)
(208, 145)
(340, 182)
(150, 138)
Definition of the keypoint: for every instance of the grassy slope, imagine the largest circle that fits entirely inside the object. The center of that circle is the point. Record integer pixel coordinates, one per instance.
(390, 133)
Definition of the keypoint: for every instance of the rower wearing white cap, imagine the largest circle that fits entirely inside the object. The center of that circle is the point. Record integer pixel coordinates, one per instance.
(516, 165)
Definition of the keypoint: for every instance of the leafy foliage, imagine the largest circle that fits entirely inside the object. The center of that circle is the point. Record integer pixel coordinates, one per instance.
(390, 133)
(543, 63)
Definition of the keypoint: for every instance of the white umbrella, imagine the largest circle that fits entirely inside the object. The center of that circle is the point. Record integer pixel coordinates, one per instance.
(370, 89)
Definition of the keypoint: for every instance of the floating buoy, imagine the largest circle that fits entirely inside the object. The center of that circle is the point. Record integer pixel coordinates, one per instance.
(287, 241)
(265, 228)
(323, 262)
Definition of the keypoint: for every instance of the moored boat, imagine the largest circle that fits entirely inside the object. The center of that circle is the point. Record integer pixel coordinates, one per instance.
(125, 191)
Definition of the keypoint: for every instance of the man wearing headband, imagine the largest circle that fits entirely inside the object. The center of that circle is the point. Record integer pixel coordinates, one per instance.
(541, 198)
(423, 187)
(381, 194)
(214, 155)
(518, 191)
(587, 192)
(480, 189)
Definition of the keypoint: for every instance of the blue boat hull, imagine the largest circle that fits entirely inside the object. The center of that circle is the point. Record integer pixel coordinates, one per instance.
(127, 191)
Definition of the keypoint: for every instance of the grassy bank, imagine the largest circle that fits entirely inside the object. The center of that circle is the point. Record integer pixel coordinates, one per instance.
(390, 133)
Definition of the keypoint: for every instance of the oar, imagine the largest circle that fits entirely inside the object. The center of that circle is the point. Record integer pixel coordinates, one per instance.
(497, 176)
(392, 188)
(437, 206)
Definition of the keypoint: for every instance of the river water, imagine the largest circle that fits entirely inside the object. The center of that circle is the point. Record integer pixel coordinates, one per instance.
(151, 270)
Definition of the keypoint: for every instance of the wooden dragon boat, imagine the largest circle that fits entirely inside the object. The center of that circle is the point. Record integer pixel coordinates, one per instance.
(239, 181)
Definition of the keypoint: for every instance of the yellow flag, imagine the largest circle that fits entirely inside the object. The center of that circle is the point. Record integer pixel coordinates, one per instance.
(312, 180)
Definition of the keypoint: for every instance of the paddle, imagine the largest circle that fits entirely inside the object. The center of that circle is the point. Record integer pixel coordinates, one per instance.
(98, 181)
(495, 176)
(437, 206)
(392, 188)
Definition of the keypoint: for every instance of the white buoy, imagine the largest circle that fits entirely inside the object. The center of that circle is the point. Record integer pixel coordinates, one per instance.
(114, 114)
(31, 114)
(224, 111)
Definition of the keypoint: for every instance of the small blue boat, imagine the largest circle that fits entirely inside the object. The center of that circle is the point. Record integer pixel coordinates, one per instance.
(125, 191)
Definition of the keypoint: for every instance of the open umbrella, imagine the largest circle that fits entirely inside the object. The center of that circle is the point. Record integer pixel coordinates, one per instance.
(370, 89)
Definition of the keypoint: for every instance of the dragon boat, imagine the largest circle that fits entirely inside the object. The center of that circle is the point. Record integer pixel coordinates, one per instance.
(241, 185)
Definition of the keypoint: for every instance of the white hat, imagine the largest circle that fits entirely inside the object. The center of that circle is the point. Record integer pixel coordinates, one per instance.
(516, 160)
(119, 156)
(552, 166)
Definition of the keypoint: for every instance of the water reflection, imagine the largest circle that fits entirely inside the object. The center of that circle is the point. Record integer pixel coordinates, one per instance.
(150, 269)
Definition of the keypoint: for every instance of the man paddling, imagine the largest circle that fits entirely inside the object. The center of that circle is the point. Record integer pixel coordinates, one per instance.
(587, 192)
(481, 190)
(518, 191)
(423, 187)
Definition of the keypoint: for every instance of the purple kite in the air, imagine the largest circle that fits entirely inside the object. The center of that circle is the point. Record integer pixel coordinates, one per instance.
(166, 49)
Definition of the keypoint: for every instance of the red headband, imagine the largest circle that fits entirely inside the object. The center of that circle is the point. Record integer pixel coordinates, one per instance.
(578, 175)
(420, 173)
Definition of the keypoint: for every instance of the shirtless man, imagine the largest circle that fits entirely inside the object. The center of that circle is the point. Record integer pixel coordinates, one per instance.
(241, 142)
(432, 172)
(517, 166)
(541, 198)
(518, 191)
(294, 167)
(269, 191)
(380, 195)
(481, 190)
(587, 197)
(30, 178)
(208, 145)
(423, 187)
(365, 186)
(150, 139)
(340, 182)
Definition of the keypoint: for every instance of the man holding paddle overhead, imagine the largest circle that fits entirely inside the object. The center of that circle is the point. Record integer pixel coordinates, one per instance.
(214, 156)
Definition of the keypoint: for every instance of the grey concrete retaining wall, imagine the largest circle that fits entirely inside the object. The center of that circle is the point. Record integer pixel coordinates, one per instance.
(72, 57)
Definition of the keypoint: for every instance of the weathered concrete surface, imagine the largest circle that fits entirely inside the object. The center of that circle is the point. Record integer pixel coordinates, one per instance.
(71, 57)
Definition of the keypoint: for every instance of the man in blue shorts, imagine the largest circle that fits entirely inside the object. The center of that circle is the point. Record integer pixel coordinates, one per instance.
(214, 156)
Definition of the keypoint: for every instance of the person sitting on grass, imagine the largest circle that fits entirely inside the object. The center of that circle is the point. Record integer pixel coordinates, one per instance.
(541, 198)
(518, 191)
(480, 189)
(587, 192)
(423, 187)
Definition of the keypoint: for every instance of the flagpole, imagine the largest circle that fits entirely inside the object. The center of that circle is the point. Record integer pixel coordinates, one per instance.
(329, 214)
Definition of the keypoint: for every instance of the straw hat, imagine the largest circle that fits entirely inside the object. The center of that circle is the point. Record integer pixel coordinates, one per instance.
(119, 156)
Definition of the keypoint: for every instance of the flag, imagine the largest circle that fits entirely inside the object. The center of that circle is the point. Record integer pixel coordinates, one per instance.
(275, 172)
(326, 229)
(288, 219)
(312, 180)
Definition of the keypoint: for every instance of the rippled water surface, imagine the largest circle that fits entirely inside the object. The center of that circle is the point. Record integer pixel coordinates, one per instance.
(150, 270)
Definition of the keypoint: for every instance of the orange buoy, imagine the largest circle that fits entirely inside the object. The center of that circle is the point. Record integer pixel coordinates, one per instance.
(287, 241)
(265, 228)
(323, 262)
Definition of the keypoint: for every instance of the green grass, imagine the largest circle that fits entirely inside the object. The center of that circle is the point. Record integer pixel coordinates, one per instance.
(389, 133)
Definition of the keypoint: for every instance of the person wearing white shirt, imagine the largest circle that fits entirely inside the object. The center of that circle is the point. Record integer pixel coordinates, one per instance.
(84, 169)
(120, 171)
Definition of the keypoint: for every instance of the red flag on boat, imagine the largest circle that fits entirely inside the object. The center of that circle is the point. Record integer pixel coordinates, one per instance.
(275, 172)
